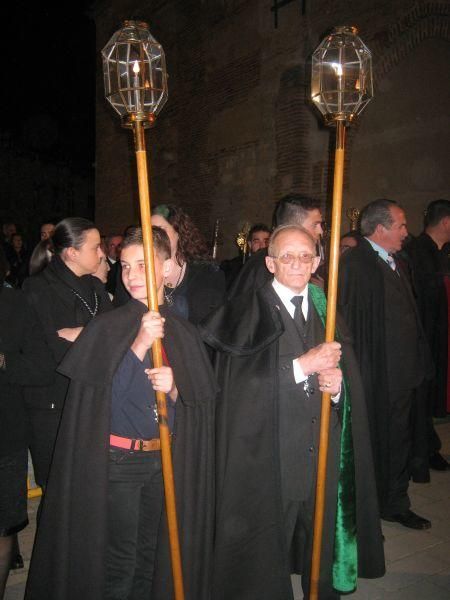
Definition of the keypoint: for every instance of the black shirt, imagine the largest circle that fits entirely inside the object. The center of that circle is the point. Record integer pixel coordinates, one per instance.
(133, 403)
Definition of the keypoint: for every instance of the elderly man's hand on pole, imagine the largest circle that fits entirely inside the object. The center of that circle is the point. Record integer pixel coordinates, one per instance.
(321, 357)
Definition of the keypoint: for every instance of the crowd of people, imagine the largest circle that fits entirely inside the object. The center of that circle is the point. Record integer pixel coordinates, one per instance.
(244, 367)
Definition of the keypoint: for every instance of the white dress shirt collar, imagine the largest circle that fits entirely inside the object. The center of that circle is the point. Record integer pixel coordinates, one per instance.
(286, 295)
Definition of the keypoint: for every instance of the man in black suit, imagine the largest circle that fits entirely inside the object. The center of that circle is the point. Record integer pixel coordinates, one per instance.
(272, 363)
(429, 259)
(113, 246)
(378, 305)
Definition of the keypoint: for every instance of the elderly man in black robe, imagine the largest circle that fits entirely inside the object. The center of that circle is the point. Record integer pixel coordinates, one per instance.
(272, 364)
(102, 534)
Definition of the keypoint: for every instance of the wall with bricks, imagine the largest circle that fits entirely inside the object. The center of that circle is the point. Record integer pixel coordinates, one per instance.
(238, 131)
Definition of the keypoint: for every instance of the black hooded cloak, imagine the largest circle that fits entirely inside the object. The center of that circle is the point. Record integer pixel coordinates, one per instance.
(251, 558)
(68, 561)
(430, 266)
(361, 302)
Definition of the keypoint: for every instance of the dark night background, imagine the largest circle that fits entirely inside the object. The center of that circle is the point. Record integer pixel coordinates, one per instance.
(47, 134)
(238, 131)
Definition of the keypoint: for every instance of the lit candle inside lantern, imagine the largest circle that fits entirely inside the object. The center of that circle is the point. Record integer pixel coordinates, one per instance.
(136, 71)
(337, 69)
(337, 66)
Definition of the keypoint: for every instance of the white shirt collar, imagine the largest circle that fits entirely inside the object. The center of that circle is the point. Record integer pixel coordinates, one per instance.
(382, 252)
(286, 295)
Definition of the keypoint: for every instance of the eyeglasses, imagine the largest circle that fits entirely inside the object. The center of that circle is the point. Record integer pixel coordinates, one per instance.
(289, 258)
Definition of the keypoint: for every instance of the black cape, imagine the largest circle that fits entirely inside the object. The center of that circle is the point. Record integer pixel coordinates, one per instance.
(68, 559)
(430, 266)
(361, 304)
(245, 333)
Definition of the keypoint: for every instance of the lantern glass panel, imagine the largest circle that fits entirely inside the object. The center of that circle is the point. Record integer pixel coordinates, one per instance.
(341, 83)
(134, 71)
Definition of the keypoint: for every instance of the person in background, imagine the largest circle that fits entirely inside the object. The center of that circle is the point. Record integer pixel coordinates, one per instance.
(41, 256)
(195, 286)
(18, 260)
(113, 246)
(378, 305)
(428, 255)
(102, 273)
(348, 241)
(65, 297)
(24, 360)
(8, 230)
(47, 230)
(257, 239)
(293, 209)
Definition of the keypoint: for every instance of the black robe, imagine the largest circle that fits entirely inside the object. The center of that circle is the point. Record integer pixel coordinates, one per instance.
(68, 561)
(361, 302)
(429, 266)
(28, 362)
(245, 333)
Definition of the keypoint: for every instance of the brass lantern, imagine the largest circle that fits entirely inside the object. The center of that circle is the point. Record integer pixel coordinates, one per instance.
(341, 82)
(134, 70)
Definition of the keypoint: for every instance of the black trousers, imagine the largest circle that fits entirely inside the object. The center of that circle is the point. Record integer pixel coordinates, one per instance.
(400, 403)
(135, 499)
(299, 526)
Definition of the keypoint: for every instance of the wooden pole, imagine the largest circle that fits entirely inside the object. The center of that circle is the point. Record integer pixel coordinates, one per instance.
(329, 337)
(152, 300)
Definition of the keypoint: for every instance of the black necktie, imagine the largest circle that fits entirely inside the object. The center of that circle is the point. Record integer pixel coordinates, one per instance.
(299, 317)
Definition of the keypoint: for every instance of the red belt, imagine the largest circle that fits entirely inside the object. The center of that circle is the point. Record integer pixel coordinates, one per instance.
(132, 444)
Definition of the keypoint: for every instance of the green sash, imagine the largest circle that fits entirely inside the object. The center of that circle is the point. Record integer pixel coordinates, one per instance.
(345, 563)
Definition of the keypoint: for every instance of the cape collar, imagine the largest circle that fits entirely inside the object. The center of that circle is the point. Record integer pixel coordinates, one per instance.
(246, 324)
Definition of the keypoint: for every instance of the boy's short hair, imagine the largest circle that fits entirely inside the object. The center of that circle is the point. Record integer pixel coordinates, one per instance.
(161, 242)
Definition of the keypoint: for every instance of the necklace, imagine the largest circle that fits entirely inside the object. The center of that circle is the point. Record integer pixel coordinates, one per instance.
(168, 296)
(91, 312)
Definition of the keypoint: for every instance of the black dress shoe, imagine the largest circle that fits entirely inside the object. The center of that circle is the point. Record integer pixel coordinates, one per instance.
(438, 462)
(16, 562)
(409, 519)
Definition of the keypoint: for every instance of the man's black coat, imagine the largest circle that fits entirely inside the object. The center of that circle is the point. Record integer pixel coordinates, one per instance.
(68, 560)
(361, 302)
(429, 267)
(27, 362)
(251, 558)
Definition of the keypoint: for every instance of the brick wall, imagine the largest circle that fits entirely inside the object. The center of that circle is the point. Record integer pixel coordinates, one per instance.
(238, 132)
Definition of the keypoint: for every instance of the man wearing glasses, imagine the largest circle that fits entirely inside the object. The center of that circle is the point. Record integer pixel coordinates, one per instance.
(272, 365)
